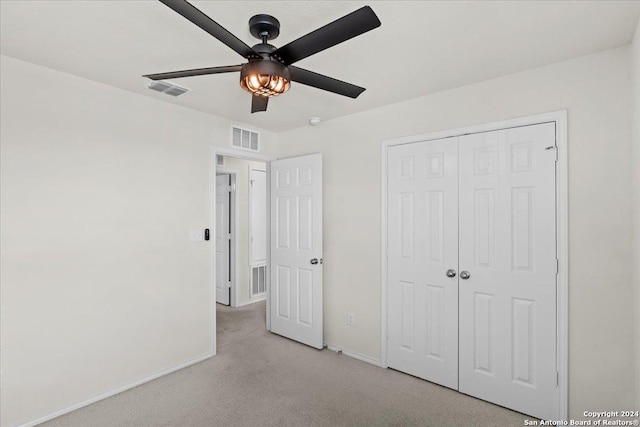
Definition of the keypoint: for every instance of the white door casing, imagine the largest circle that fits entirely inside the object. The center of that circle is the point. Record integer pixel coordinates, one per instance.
(422, 245)
(508, 246)
(222, 234)
(295, 293)
(258, 217)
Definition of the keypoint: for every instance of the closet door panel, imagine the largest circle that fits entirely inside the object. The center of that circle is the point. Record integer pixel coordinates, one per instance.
(422, 245)
(508, 247)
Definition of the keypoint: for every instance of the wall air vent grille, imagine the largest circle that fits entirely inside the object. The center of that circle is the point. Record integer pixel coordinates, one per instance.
(219, 160)
(258, 280)
(167, 88)
(245, 139)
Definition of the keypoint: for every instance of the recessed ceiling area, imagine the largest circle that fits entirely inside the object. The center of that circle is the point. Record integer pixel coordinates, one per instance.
(422, 47)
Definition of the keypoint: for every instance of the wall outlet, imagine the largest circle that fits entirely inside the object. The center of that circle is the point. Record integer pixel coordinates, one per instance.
(351, 319)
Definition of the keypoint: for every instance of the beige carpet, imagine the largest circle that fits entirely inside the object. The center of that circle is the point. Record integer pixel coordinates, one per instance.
(261, 379)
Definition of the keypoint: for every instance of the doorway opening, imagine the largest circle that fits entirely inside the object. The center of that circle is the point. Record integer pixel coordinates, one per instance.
(231, 168)
(240, 231)
(283, 241)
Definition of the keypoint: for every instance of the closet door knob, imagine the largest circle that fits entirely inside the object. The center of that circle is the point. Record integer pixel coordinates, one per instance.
(451, 272)
(464, 275)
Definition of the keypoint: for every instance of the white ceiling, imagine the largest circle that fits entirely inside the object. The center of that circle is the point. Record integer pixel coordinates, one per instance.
(422, 47)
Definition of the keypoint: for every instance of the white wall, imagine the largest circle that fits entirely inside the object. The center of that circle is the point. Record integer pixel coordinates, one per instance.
(596, 91)
(101, 285)
(243, 282)
(635, 121)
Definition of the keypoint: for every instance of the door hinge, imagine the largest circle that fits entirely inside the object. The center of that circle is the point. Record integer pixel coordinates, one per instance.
(557, 266)
(557, 378)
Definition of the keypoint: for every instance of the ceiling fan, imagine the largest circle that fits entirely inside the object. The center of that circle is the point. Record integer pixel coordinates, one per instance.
(269, 71)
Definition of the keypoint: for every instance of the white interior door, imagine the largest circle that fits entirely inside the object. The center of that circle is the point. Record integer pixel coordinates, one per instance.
(422, 246)
(223, 239)
(508, 248)
(295, 295)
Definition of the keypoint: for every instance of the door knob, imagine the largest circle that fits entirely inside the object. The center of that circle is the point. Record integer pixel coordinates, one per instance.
(464, 275)
(451, 272)
(314, 261)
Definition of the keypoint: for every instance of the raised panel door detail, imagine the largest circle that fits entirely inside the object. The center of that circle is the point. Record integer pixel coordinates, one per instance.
(406, 224)
(522, 332)
(407, 167)
(521, 157)
(221, 280)
(435, 325)
(435, 165)
(483, 333)
(522, 228)
(435, 219)
(483, 213)
(220, 231)
(305, 297)
(283, 217)
(304, 222)
(283, 178)
(304, 176)
(283, 286)
(484, 160)
(407, 292)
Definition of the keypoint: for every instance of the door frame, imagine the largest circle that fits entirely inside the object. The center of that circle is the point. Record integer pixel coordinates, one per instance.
(233, 220)
(562, 233)
(238, 154)
(253, 263)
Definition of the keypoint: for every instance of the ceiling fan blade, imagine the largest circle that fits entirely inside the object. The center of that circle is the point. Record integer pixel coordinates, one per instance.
(259, 103)
(194, 72)
(323, 82)
(197, 17)
(343, 29)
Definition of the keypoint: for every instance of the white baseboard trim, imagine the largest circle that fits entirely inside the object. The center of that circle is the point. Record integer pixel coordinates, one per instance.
(115, 391)
(355, 355)
(253, 300)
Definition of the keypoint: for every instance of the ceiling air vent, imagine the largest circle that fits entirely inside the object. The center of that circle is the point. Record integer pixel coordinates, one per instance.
(168, 88)
(244, 138)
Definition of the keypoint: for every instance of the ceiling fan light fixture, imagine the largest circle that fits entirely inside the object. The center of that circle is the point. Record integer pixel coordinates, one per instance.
(270, 70)
(265, 78)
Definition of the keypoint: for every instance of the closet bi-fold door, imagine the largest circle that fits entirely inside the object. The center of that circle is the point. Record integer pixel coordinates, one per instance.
(508, 268)
(422, 209)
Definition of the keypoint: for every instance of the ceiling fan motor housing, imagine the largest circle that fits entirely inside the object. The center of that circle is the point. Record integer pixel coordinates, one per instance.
(265, 77)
